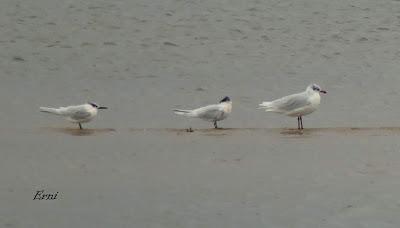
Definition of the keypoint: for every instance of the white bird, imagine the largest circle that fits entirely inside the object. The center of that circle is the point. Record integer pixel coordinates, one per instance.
(211, 113)
(76, 113)
(299, 104)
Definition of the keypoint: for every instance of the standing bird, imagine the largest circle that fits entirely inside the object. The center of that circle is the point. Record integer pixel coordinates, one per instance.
(299, 104)
(77, 113)
(211, 113)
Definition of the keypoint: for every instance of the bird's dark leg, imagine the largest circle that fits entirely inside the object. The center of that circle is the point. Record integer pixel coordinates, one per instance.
(298, 122)
(80, 126)
(215, 124)
(301, 122)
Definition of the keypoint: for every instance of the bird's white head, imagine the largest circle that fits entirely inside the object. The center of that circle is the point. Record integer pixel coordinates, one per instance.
(96, 106)
(315, 88)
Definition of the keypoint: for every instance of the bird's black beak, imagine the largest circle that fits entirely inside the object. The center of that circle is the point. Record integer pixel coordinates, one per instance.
(102, 107)
(323, 91)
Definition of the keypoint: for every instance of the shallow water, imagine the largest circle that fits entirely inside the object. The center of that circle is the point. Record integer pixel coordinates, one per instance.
(137, 166)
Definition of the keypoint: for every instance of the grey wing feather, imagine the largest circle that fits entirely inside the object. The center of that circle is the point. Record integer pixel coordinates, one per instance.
(210, 112)
(292, 102)
(80, 115)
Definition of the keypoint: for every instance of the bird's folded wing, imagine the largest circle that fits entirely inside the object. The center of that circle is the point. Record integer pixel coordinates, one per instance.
(69, 110)
(292, 102)
(80, 114)
(210, 112)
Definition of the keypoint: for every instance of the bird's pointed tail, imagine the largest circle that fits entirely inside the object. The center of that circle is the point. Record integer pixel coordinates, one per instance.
(267, 105)
(183, 112)
(50, 110)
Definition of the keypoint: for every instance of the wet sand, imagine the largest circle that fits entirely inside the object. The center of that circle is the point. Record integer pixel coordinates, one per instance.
(137, 166)
(167, 177)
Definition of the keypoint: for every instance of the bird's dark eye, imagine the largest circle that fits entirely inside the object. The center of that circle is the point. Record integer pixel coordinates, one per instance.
(316, 88)
(93, 105)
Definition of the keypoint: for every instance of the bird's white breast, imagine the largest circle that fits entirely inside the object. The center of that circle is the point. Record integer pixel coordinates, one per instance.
(228, 107)
(315, 99)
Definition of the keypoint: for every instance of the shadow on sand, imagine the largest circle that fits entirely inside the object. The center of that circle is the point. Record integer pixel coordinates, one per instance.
(184, 131)
(291, 132)
(374, 131)
(79, 132)
(344, 130)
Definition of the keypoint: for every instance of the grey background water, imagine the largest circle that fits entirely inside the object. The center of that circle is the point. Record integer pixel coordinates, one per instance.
(134, 167)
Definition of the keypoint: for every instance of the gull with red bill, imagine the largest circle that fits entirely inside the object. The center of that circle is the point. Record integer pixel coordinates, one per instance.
(296, 105)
